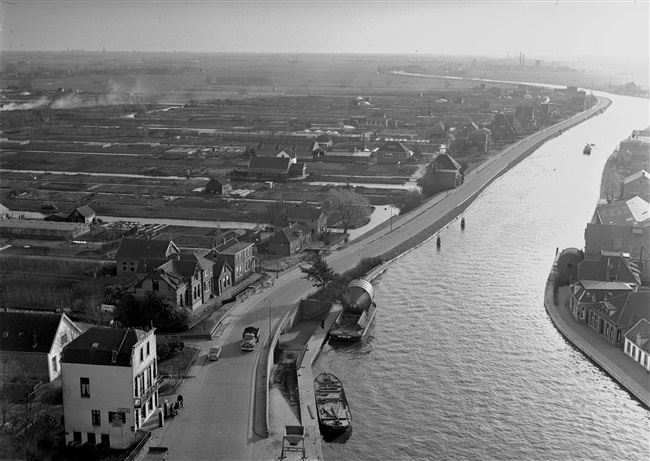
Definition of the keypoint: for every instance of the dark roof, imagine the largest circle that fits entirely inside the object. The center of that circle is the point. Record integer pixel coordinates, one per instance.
(131, 248)
(393, 146)
(626, 309)
(22, 330)
(85, 211)
(304, 212)
(96, 346)
(219, 265)
(607, 267)
(289, 233)
(269, 164)
(323, 138)
(445, 162)
(639, 334)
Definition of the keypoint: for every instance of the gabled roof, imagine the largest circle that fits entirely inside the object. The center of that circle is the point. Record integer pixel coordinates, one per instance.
(638, 175)
(607, 267)
(394, 146)
(96, 346)
(131, 248)
(639, 334)
(598, 285)
(28, 331)
(445, 162)
(626, 308)
(304, 212)
(221, 180)
(289, 234)
(85, 211)
(219, 266)
(269, 164)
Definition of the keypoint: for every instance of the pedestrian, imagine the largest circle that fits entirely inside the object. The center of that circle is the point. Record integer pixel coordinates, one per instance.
(322, 322)
(179, 400)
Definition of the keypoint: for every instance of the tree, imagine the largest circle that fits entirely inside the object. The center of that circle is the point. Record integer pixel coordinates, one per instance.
(319, 273)
(350, 206)
(412, 199)
(152, 310)
(276, 214)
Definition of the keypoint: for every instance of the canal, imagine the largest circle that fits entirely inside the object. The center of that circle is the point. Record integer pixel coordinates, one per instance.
(463, 362)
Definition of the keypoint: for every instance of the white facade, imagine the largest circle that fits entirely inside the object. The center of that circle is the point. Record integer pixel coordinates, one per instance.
(637, 353)
(109, 403)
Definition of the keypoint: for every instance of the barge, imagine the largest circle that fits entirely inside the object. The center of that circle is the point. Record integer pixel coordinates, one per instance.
(358, 313)
(334, 415)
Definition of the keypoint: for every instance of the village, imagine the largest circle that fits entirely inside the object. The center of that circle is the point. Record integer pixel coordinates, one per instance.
(79, 182)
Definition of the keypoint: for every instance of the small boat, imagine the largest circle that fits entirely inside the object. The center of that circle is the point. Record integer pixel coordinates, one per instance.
(462, 224)
(438, 242)
(334, 415)
(587, 149)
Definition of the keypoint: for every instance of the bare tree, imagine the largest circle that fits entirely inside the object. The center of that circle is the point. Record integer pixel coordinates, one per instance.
(352, 208)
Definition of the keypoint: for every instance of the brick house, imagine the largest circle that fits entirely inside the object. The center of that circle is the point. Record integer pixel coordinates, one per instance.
(616, 315)
(220, 186)
(222, 277)
(392, 153)
(239, 256)
(132, 250)
(584, 293)
(184, 278)
(289, 240)
(83, 214)
(502, 127)
(35, 341)
(313, 218)
(447, 171)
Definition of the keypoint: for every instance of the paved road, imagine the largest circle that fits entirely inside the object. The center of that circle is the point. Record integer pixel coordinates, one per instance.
(219, 419)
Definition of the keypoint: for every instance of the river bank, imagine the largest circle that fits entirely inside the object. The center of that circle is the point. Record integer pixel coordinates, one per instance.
(625, 371)
(305, 377)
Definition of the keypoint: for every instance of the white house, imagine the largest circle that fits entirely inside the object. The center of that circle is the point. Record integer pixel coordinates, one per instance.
(637, 343)
(110, 386)
(35, 341)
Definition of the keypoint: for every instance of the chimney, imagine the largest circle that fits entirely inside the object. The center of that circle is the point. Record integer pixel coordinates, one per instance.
(113, 357)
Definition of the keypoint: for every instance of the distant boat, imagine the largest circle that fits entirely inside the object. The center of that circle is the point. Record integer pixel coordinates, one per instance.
(334, 415)
(587, 149)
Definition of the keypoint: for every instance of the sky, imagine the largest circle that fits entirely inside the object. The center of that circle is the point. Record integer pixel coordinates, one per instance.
(539, 29)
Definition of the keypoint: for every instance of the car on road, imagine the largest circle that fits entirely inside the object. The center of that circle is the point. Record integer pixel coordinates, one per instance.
(214, 353)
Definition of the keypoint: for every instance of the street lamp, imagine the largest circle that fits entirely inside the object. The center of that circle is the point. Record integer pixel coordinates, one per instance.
(391, 219)
(269, 301)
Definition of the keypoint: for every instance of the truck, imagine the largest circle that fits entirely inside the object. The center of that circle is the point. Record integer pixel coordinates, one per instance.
(249, 338)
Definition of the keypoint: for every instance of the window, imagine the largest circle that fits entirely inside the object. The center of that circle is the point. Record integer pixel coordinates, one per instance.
(627, 348)
(76, 437)
(116, 419)
(132, 266)
(148, 349)
(85, 387)
(92, 440)
(54, 364)
(125, 266)
(155, 285)
(96, 417)
(136, 390)
(141, 354)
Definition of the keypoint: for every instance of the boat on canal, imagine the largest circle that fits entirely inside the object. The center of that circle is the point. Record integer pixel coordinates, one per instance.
(357, 313)
(334, 415)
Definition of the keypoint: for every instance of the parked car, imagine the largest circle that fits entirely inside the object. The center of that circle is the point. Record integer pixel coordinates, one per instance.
(215, 353)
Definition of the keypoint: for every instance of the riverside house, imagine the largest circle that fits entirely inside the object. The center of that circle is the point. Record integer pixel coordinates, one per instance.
(613, 317)
(110, 386)
(313, 218)
(238, 255)
(584, 293)
(637, 343)
(289, 240)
